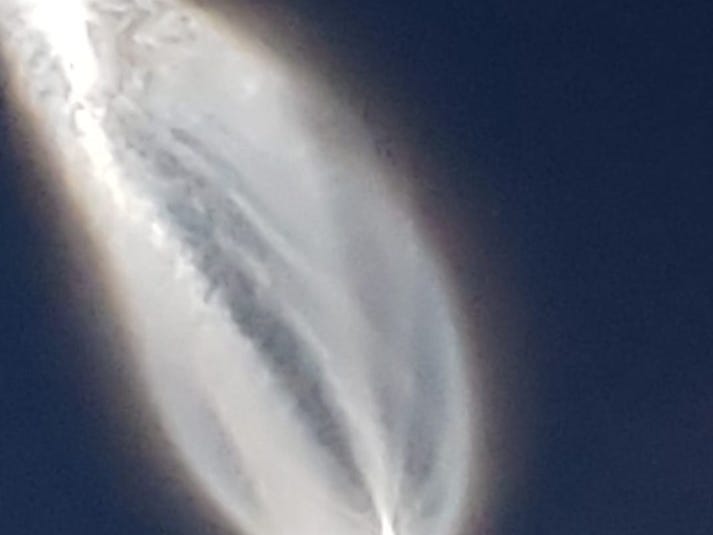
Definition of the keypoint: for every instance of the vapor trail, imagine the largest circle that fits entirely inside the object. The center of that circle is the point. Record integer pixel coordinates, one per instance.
(292, 327)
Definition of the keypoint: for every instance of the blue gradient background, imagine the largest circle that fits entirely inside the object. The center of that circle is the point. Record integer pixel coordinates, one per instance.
(587, 127)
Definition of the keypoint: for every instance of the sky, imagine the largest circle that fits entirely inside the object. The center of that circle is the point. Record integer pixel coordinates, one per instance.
(572, 142)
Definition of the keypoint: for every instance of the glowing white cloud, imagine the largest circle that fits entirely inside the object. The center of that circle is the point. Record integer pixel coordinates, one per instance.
(291, 326)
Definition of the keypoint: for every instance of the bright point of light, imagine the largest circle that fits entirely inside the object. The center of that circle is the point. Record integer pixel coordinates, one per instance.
(290, 324)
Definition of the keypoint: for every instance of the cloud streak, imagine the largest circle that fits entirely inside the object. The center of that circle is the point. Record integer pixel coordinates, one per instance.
(291, 325)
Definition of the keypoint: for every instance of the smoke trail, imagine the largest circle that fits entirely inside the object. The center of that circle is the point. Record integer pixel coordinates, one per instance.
(291, 326)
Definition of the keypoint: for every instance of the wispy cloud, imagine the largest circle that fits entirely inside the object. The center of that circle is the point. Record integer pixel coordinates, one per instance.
(291, 324)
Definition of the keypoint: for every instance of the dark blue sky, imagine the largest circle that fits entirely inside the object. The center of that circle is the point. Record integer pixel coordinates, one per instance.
(588, 127)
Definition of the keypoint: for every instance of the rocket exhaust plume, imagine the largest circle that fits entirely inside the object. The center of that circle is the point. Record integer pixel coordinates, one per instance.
(291, 327)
